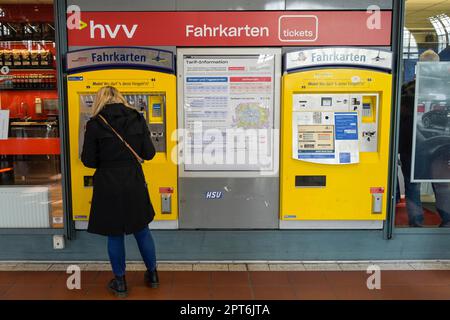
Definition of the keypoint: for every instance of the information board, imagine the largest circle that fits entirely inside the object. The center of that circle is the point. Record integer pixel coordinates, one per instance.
(228, 112)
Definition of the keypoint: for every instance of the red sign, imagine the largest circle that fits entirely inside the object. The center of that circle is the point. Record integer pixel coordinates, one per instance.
(165, 190)
(250, 79)
(236, 68)
(294, 28)
(223, 28)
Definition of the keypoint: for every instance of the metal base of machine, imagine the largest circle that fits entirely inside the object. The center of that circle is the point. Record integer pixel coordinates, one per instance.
(243, 203)
(155, 225)
(332, 224)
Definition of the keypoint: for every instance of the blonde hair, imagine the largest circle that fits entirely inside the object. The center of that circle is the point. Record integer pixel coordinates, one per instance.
(107, 95)
(429, 55)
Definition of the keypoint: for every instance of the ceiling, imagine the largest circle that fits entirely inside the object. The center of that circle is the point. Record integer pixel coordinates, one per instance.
(418, 12)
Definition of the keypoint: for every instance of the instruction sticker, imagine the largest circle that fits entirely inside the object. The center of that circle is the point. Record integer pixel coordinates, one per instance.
(316, 139)
(326, 137)
(346, 126)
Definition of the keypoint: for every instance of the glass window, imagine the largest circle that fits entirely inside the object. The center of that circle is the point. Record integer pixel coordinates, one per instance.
(424, 146)
(30, 173)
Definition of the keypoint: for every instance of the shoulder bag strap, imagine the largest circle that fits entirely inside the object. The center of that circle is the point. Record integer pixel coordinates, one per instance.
(138, 158)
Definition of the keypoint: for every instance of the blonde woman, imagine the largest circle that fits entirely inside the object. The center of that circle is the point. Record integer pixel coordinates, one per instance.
(120, 202)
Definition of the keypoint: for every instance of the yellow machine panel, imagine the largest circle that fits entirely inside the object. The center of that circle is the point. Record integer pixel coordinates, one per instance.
(335, 144)
(154, 95)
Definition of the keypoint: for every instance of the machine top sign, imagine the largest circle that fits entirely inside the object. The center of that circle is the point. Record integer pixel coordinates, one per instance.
(120, 57)
(338, 56)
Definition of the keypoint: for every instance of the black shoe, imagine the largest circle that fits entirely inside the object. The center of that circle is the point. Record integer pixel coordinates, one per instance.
(118, 286)
(151, 279)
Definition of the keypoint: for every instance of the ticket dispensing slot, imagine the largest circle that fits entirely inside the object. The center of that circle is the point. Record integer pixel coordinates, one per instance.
(166, 203)
(377, 203)
(166, 200)
(310, 181)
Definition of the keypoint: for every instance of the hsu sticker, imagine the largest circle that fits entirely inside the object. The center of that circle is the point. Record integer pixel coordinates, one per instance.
(214, 194)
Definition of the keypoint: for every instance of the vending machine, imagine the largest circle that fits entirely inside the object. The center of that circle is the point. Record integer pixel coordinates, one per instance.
(336, 116)
(147, 79)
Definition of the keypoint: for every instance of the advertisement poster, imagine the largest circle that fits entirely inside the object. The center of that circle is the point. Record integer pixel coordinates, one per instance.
(430, 156)
(228, 112)
(326, 137)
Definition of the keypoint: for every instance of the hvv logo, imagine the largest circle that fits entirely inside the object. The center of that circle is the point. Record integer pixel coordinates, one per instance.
(74, 22)
(107, 30)
(214, 194)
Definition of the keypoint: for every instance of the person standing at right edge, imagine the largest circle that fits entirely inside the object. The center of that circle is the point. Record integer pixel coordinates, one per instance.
(412, 190)
(116, 141)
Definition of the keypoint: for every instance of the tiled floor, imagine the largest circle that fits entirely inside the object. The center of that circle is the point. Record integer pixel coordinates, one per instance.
(231, 285)
(235, 266)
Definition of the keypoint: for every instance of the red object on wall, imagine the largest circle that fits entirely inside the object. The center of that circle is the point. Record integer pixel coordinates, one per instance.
(21, 103)
(13, 99)
(30, 146)
(222, 28)
(27, 12)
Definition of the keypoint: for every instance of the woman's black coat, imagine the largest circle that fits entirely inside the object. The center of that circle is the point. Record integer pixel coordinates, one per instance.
(120, 201)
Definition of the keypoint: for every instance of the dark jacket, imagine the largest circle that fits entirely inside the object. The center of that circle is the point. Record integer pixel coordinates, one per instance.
(120, 201)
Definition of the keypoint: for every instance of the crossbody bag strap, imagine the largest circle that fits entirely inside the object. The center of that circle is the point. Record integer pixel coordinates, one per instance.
(138, 158)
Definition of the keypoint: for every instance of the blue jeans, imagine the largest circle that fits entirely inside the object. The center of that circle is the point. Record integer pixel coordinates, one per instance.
(412, 195)
(116, 251)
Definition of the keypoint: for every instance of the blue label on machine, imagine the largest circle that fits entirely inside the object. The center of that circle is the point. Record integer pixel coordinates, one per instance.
(344, 157)
(214, 195)
(206, 79)
(346, 125)
(315, 156)
(75, 78)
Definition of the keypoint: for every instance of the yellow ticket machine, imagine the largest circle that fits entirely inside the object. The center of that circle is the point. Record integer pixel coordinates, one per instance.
(147, 80)
(336, 120)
